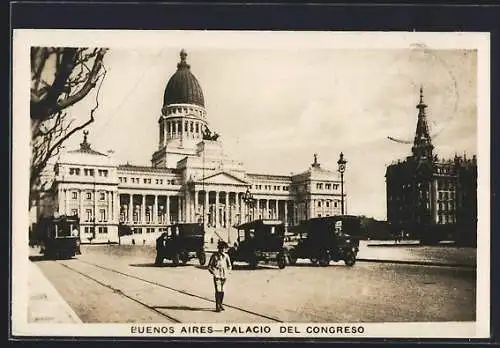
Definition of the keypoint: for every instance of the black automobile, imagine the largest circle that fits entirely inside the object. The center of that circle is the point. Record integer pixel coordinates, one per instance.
(180, 243)
(325, 239)
(59, 236)
(259, 240)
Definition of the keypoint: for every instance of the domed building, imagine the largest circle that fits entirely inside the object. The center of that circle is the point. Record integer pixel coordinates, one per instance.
(190, 180)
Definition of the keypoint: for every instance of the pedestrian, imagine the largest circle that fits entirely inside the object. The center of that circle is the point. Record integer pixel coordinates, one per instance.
(219, 266)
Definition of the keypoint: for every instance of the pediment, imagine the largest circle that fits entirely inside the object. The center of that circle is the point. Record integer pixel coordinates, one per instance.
(224, 178)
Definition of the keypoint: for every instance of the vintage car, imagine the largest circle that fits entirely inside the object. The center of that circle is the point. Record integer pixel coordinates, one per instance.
(259, 240)
(325, 239)
(59, 236)
(181, 242)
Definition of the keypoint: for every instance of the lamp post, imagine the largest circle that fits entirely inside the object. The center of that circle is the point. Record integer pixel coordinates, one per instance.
(248, 199)
(342, 165)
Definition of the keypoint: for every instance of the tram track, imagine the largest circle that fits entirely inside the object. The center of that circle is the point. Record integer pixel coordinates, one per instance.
(120, 292)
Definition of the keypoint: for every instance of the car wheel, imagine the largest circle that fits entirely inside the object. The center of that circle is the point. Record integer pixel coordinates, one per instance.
(184, 258)
(281, 261)
(350, 259)
(253, 262)
(158, 260)
(202, 258)
(314, 261)
(175, 260)
(292, 257)
(324, 260)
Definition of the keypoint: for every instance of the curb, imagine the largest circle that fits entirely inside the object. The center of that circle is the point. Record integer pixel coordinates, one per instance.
(419, 263)
(47, 294)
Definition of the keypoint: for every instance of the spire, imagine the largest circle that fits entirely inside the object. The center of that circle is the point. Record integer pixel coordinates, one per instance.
(422, 144)
(182, 64)
(85, 145)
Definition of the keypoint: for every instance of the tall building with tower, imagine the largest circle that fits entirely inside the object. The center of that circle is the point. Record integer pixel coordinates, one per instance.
(431, 198)
(190, 179)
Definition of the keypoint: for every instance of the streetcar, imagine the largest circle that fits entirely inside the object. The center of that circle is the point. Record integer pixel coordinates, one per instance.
(60, 236)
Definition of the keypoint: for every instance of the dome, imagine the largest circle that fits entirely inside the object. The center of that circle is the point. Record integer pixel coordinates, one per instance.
(183, 87)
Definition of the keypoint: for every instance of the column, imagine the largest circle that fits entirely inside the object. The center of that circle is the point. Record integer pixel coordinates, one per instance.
(130, 208)
(276, 211)
(227, 208)
(206, 209)
(187, 205)
(110, 209)
(216, 209)
(240, 208)
(196, 210)
(82, 212)
(155, 210)
(116, 206)
(165, 131)
(266, 213)
(179, 208)
(286, 216)
(66, 202)
(167, 209)
(142, 218)
(59, 200)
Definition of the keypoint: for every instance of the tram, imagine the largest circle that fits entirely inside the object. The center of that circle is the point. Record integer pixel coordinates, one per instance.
(60, 236)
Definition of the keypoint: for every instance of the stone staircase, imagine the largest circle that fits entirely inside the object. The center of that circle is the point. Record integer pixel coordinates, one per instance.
(213, 235)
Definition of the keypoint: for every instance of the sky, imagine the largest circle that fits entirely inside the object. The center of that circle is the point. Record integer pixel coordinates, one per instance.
(275, 107)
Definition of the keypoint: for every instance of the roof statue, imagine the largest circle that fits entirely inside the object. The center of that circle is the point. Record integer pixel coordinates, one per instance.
(315, 163)
(209, 135)
(85, 145)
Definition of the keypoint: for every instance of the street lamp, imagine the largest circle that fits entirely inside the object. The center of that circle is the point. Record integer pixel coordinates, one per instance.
(248, 199)
(342, 164)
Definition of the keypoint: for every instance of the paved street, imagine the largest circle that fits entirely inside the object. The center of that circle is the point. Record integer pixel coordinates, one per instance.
(120, 284)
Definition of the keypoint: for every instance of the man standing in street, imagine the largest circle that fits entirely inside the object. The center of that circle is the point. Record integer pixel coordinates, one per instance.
(219, 266)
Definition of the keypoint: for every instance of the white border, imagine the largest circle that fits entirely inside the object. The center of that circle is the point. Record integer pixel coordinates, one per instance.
(24, 38)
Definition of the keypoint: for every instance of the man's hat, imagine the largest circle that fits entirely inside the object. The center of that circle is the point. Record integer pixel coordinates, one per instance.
(221, 245)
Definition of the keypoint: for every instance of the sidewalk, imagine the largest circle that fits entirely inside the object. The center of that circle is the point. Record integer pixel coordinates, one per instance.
(418, 255)
(45, 304)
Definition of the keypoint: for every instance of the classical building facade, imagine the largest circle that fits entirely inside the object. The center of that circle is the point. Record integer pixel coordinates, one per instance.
(190, 179)
(432, 198)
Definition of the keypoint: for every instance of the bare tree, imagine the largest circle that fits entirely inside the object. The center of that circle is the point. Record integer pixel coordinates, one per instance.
(60, 78)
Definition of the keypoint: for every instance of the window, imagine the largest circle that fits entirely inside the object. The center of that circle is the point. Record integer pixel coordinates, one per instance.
(103, 172)
(319, 203)
(335, 204)
(328, 204)
(103, 229)
(328, 186)
(102, 196)
(102, 215)
(125, 180)
(145, 181)
(319, 186)
(74, 212)
(89, 195)
(88, 213)
(74, 195)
